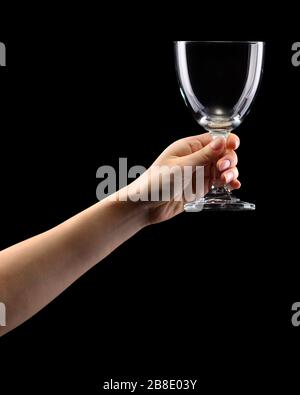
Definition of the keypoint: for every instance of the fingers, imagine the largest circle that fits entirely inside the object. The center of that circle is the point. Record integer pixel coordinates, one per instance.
(228, 160)
(229, 175)
(208, 154)
(192, 144)
(204, 138)
(235, 184)
(227, 163)
(233, 142)
(187, 145)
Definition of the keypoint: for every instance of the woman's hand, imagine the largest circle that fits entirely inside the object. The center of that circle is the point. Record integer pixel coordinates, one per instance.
(35, 271)
(192, 151)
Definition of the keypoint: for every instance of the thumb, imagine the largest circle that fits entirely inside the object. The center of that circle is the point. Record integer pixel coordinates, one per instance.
(208, 154)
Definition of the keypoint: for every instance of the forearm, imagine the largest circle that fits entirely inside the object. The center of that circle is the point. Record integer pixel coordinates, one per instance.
(35, 271)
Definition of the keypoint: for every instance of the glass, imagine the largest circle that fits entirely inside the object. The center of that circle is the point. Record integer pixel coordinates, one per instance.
(218, 81)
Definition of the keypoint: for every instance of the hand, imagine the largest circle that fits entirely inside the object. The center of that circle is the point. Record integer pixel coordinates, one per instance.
(62, 254)
(192, 151)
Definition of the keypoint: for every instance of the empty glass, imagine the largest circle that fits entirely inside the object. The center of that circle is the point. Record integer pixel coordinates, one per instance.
(218, 81)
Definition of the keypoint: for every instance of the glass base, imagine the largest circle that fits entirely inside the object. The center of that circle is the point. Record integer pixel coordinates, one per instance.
(219, 199)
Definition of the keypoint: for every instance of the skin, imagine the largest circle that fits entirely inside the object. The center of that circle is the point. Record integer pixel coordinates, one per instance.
(35, 271)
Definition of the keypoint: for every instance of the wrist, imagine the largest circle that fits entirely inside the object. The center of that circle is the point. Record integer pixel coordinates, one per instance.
(135, 212)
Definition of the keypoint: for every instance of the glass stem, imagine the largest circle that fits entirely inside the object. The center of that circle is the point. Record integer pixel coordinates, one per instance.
(217, 187)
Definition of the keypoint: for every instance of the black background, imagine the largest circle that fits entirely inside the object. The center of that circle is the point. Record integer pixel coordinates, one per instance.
(204, 295)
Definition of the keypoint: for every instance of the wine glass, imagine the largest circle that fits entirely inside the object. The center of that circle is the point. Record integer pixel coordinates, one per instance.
(218, 81)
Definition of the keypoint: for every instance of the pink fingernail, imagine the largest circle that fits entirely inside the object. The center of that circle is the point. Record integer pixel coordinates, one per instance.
(229, 177)
(224, 165)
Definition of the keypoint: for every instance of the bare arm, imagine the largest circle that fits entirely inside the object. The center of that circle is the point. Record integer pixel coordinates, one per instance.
(35, 271)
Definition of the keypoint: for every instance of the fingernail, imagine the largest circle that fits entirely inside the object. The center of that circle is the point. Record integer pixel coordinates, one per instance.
(224, 165)
(229, 177)
(217, 143)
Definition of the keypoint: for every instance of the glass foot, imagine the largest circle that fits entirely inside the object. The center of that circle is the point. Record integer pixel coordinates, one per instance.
(219, 199)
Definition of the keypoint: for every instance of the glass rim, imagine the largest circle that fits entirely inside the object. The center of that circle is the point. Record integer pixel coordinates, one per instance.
(224, 42)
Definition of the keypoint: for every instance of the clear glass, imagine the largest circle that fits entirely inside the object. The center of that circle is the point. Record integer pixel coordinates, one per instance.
(218, 81)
